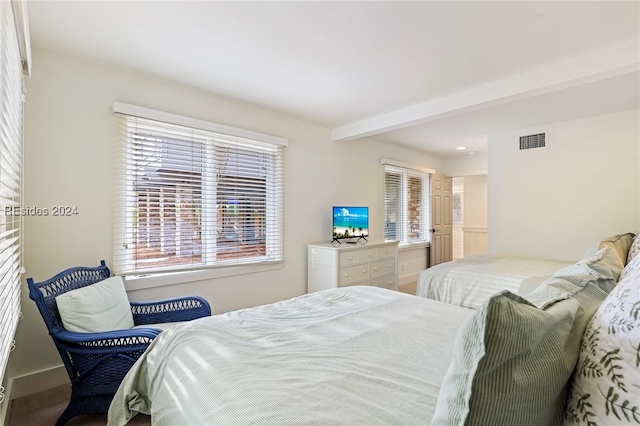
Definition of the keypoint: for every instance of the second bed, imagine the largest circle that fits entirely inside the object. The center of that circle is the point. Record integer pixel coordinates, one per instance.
(470, 281)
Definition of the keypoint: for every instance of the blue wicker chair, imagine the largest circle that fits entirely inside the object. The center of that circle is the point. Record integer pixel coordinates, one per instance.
(97, 362)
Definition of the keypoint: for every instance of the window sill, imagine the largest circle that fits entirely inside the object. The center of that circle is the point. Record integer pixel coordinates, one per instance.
(413, 246)
(141, 282)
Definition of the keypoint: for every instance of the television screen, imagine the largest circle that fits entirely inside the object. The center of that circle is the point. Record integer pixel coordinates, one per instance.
(350, 222)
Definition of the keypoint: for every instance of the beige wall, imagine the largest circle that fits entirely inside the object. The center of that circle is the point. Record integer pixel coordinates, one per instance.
(466, 165)
(475, 201)
(556, 202)
(68, 160)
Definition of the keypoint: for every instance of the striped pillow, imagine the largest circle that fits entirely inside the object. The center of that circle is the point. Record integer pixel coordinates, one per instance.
(514, 357)
(605, 265)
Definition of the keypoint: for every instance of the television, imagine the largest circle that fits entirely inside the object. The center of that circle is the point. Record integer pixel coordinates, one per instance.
(350, 222)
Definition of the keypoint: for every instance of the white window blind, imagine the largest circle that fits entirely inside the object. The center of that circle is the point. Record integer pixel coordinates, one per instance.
(11, 107)
(188, 197)
(406, 204)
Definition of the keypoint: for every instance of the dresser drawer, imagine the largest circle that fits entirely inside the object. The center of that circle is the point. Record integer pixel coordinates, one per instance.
(369, 254)
(382, 267)
(349, 257)
(386, 252)
(387, 281)
(353, 273)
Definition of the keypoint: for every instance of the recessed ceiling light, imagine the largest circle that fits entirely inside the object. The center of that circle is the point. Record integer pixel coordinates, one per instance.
(472, 153)
(461, 148)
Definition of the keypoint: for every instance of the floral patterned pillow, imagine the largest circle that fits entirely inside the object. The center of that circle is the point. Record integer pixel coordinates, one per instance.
(634, 249)
(632, 259)
(605, 389)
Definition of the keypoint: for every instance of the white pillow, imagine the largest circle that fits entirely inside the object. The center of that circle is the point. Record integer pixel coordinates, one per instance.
(102, 306)
(604, 265)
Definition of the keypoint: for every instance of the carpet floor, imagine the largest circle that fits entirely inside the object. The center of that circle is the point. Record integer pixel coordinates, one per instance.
(44, 408)
(409, 288)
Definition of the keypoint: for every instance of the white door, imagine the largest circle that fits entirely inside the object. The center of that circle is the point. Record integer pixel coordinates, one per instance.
(441, 219)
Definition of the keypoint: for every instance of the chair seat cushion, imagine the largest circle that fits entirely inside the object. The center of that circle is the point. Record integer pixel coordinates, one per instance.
(98, 307)
(161, 325)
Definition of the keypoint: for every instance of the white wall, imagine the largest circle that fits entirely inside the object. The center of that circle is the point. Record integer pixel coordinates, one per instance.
(466, 165)
(68, 160)
(558, 201)
(475, 201)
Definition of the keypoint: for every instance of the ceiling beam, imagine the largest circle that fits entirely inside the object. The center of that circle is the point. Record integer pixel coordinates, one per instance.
(611, 62)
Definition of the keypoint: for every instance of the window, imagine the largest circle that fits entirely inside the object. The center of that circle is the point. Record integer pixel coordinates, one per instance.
(406, 203)
(193, 194)
(12, 64)
(456, 202)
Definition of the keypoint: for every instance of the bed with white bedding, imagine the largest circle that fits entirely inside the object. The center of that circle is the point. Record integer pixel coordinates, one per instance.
(367, 356)
(471, 280)
(354, 355)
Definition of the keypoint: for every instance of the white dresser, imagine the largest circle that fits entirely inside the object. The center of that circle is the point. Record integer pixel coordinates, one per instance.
(332, 265)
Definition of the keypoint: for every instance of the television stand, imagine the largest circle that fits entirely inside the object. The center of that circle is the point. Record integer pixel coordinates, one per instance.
(360, 240)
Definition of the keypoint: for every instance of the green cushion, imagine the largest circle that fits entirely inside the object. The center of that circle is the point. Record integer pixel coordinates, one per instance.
(514, 357)
(102, 306)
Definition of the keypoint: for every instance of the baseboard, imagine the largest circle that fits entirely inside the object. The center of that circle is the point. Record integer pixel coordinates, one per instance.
(5, 407)
(38, 381)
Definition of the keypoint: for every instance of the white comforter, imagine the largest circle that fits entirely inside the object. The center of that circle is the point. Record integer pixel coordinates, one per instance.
(470, 281)
(351, 356)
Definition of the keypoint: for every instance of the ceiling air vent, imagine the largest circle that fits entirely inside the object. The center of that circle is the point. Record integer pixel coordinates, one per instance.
(533, 141)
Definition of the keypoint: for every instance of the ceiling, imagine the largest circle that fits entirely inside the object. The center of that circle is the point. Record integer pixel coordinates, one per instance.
(431, 75)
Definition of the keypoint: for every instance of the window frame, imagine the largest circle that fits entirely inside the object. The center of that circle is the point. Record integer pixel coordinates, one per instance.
(15, 59)
(406, 172)
(123, 230)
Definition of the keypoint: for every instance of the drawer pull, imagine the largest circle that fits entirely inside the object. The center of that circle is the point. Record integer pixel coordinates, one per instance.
(350, 257)
(346, 275)
(390, 265)
(375, 269)
(370, 254)
(364, 271)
